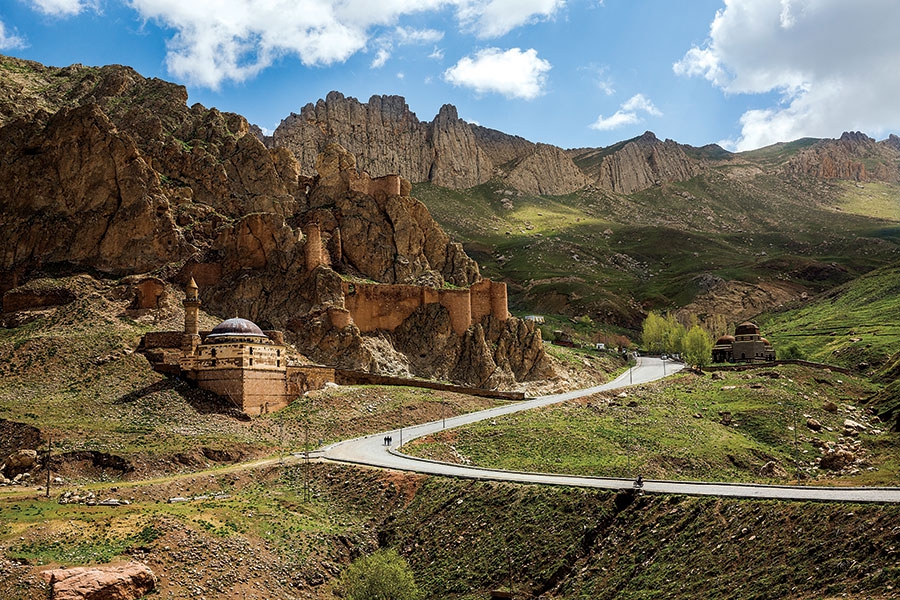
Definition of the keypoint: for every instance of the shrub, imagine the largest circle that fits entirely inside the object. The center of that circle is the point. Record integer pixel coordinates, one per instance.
(382, 575)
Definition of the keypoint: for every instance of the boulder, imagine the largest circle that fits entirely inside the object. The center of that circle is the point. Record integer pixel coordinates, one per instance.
(813, 424)
(116, 582)
(19, 462)
(837, 460)
(773, 470)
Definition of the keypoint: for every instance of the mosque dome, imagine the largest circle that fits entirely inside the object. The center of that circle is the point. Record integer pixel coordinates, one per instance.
(747, 328)
(234, 329)
(725, 339)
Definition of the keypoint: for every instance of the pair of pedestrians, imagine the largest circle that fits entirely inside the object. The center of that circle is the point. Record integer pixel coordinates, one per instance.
(388, 440)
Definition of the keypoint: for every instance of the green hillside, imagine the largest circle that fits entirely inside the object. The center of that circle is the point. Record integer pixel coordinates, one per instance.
(856, 325)
(612, 257)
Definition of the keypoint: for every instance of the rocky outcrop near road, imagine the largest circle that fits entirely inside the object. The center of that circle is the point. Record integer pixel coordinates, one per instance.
(113, 174)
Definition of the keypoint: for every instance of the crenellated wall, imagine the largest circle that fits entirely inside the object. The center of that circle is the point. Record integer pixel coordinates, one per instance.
(374, 306)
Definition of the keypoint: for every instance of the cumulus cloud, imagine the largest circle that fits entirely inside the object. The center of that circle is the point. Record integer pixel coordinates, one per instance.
(496, 18)
(627, 114)
(63, 8)
(9, 41)
(214, 41)
(831, 62)
(381, 57)
(513, 73)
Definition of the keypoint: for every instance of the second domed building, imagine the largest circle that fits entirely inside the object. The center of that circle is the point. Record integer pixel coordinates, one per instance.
(746, 345)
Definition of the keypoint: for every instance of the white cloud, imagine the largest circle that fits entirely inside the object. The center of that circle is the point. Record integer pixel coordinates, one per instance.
(513, 73)
(496, 18)
(10, 41)
(627, 114)
(381, 57)
(639, 102)
(832, 62)
(214, 41)
(63, 8)
(437, 54)
(410, 36)
(619, 119)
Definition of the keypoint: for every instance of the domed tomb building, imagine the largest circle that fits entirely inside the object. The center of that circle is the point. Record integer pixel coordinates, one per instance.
(746, 345)
(236, 360)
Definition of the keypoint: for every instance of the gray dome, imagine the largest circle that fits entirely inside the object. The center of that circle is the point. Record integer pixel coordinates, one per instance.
(231, 329)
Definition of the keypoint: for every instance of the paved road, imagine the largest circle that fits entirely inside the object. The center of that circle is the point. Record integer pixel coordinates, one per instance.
(369, 450)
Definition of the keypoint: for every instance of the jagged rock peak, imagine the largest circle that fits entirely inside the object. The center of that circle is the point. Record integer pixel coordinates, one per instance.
(855, 156)
(893, 142)
(856, 137)
(637, 164)
(386, 137)
(448, 112)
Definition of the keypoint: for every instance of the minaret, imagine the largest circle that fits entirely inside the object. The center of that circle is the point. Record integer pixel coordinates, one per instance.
(191, 318)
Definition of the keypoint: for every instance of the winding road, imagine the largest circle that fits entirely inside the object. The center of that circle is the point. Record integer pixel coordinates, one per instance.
(371, 451)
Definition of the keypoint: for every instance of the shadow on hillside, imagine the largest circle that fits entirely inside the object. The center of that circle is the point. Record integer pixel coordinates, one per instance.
(204, 402)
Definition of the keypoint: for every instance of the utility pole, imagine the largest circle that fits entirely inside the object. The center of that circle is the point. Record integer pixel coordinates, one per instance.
(306, 447)
(49, 441)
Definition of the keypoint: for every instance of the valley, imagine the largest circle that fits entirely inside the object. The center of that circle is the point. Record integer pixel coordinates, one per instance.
(115, 194)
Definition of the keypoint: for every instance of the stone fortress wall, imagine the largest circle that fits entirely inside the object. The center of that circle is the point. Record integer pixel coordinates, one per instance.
(374, 306)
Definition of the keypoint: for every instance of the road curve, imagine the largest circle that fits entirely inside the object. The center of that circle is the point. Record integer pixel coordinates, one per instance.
(371, 451)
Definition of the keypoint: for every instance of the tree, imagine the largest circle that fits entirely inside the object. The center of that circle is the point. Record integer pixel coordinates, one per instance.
(697, 347)
(653, 333)
(674, 334)
(382, 575)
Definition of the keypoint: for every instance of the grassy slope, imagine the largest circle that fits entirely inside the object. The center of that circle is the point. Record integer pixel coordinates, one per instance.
(674, 430)
(612, 257)
(858, 322)
(461, 538)
(71, 366)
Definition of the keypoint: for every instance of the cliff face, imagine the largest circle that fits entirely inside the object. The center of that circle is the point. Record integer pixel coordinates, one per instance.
(637, 164)
(112, 172)
(386, 137)
(854, 156)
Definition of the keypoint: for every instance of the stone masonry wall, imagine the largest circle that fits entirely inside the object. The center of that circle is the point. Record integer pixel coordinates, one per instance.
(255, 391)
(384, 306)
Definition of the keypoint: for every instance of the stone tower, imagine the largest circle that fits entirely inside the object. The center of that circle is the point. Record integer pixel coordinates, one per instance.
(191, 317)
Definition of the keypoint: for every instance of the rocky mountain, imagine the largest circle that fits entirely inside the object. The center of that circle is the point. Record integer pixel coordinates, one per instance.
(636, 164)
(106, 172)
(855, 156)
(387, 137)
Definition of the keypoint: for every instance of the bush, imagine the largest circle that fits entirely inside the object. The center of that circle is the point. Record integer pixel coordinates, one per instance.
(382, 575)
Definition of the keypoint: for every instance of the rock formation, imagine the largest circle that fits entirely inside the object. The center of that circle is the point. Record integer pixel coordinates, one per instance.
(122, 582)
(113, 173)
(386, 137)
(855, 156)
(637, 164)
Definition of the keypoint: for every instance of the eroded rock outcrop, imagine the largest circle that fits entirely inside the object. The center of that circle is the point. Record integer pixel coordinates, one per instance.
(637, 164)
(386, 137)
(855, 156)
(116, 174)
(117, 582)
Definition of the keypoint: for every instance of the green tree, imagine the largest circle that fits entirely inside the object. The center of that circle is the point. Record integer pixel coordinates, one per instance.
(653, 333)
(382, 575)
(697, 347)
(674, 335)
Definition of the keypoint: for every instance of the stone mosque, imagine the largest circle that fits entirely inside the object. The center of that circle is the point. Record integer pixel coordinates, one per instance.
(746, 345)
(236, 360)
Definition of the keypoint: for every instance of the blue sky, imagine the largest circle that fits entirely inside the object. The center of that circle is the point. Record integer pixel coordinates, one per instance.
(574, 73)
